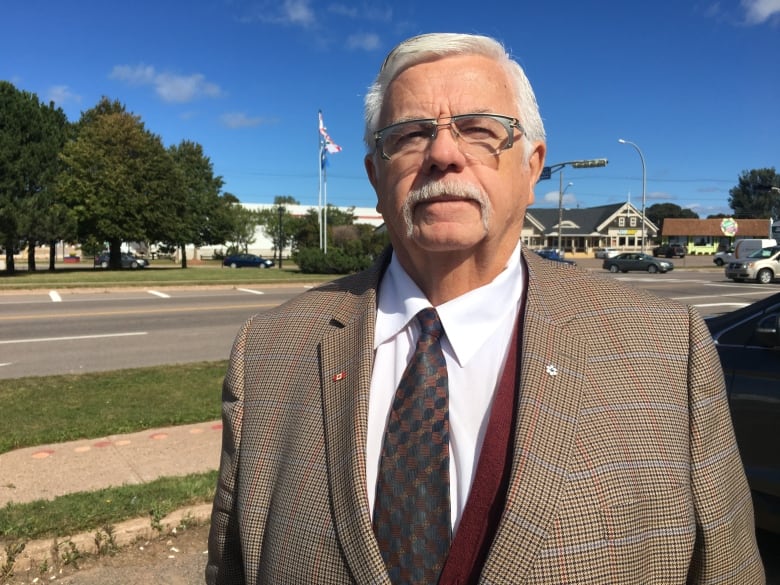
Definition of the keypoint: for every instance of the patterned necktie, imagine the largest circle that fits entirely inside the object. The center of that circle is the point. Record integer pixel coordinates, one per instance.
(412, 506)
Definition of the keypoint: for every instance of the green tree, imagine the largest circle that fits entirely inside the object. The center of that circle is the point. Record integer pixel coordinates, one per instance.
(660, 211)
(278, 224)
(119, 179)
(243, 226)
(306, 229)
(31, 137)
(197, 199)
(754, 196)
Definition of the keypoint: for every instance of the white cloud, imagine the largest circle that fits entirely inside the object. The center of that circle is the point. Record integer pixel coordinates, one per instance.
(759, 11)
(61, 94)
(170, 87)
(240, 120)
(363, 41)
(298, 12)
(569, 199)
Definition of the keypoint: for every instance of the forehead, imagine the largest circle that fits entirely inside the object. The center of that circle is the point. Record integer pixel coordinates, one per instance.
(449, 86)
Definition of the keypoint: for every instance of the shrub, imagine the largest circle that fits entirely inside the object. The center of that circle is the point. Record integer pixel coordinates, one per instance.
(336, 261)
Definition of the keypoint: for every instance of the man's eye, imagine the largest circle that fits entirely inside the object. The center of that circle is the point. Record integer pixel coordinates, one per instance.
(478, 130)
(410, 135)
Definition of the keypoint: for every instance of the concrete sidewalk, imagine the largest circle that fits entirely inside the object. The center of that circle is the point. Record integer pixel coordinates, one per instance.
(48, 471)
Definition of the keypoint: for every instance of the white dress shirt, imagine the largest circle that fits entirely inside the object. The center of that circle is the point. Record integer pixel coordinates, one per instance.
(478, 327)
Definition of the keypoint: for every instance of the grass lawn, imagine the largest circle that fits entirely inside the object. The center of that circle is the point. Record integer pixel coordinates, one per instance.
(61, 408)
(160, 273)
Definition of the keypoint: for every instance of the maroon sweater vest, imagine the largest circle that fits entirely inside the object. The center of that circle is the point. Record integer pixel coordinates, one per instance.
(486, 500)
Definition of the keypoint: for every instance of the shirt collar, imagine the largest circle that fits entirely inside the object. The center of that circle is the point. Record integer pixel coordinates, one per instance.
(469, 320)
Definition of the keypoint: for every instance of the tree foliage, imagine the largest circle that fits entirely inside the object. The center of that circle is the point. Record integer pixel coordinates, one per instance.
(754, 196)
(119, 180)
(660, 211)
(198, 210)
(31, 137)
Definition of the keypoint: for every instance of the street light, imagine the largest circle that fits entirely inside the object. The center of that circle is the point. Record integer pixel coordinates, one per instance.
(644, 186)
(561, 191)
(575, 164)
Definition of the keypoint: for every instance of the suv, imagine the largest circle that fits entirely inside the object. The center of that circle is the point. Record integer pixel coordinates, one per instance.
(669, 251)
(127, 261)
(762, 266)
(723, 257)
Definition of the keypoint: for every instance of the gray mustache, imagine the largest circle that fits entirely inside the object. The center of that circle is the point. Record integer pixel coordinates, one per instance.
(441, 188)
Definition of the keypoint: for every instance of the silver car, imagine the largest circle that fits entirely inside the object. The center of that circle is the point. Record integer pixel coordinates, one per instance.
(763, 266)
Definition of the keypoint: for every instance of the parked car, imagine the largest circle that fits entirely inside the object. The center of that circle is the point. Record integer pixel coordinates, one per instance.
(247, 261)
(763, 266)
(636, 261)
(553, 254)
(748, 343)
(723, 257)
(127, 261)
(605, 253)
(669, 251)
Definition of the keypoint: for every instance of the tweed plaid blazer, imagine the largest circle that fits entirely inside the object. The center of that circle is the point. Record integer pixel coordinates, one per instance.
(625, 465)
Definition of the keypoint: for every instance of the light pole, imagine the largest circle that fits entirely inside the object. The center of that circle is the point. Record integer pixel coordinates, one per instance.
(575, 164)
(644, 186)
(561, 191)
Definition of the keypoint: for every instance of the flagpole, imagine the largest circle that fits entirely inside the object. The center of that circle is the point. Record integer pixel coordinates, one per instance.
(325, 209)
(319, 192)
(326, 146)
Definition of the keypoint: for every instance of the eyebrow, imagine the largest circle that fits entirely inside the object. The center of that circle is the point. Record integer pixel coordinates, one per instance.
(428, 119)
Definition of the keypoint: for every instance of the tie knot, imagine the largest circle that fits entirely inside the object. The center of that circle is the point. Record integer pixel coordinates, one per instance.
(430, 325)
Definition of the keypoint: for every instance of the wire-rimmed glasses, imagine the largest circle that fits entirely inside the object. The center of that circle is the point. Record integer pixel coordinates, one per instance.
(477, 135)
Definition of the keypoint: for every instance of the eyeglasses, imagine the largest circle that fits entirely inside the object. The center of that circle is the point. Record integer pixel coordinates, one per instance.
(477, 135)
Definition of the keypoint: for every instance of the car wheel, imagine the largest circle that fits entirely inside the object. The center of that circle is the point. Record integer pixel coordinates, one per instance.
(764, 276)
(652, 269)
(104, 264)
(134, 265)
(718, 262)
(613, 268)
(233, 265)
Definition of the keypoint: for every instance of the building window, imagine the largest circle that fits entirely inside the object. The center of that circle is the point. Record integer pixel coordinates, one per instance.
(621, 221)
(632, 221)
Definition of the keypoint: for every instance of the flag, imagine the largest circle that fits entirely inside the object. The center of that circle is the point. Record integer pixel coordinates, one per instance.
(325, 140)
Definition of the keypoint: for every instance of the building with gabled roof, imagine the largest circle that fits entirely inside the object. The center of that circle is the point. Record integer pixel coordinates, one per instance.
(707, 236)
(618, 225)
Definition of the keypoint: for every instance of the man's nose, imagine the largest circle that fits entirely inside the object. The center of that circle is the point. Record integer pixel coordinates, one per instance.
(444, 151)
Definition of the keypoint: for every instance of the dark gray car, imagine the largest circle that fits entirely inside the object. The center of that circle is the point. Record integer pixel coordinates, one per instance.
(636, 261)
(748, 343)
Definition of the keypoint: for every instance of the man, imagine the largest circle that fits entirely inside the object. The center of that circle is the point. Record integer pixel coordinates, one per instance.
(586, 434)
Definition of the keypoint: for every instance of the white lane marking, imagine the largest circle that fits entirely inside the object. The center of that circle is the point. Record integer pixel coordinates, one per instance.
(71, 338)
(249, 290)
(55, 296)
(157, 293)
(6, 364)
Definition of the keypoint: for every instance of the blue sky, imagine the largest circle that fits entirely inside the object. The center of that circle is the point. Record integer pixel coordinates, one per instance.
(695, 84)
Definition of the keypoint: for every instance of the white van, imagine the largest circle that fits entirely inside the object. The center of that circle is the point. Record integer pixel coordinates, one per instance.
(744, 248)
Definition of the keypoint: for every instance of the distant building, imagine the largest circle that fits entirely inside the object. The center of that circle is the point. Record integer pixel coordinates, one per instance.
(264, 246)
(707, 236)
(618, 225)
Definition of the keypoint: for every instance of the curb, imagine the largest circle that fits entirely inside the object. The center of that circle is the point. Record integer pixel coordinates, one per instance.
(125, 533)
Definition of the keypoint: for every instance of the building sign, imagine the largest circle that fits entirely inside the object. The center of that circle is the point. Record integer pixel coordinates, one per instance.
(729, 227)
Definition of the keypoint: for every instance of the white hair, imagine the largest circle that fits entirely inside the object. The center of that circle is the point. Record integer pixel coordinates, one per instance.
(433, 46)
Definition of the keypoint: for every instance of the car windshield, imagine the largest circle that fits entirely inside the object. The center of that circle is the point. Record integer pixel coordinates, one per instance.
(765, 252)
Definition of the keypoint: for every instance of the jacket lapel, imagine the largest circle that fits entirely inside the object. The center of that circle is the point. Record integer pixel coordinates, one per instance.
(551, 386)
(347, 358)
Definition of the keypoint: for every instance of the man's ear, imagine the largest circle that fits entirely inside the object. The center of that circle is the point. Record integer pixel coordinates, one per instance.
(368, 162)
(536, 161)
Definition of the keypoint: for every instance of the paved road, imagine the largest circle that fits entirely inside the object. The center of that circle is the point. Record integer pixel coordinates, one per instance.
(55, 332)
